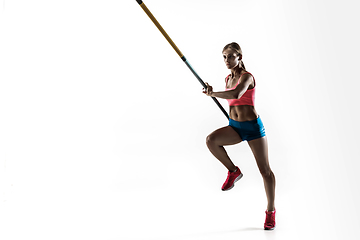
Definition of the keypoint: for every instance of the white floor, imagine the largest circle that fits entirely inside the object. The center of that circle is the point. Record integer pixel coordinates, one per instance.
(189, 205)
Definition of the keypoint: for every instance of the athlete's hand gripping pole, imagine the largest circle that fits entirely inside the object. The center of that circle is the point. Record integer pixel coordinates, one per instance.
(157, 24)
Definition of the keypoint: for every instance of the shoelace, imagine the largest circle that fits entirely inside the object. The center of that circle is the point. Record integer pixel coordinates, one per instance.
(228, 177)
(270, 217)
(229, 174)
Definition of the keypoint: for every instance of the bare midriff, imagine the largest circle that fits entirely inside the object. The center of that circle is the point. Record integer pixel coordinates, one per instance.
(243, 113)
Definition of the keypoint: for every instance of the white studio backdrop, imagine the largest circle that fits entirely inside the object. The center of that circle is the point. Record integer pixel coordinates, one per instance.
(103, 127)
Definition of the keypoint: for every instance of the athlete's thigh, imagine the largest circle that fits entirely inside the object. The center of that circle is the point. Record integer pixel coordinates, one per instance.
(224, 136)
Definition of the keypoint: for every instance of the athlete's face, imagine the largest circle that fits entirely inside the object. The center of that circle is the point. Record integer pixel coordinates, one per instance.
(231, 58)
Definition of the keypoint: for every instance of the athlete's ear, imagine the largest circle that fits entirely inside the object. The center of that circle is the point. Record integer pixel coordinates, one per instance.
(240, 57)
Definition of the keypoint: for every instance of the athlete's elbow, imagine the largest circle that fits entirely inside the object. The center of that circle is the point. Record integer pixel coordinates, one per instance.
(238, 96)
(233, 95)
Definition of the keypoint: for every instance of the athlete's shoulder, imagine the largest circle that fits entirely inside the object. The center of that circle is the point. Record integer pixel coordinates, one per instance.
(246, 73)
(245, 76)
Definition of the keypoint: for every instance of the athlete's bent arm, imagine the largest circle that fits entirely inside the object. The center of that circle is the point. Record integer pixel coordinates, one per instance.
(236, 93)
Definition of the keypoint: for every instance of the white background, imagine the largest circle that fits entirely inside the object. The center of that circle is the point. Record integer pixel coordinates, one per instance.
(103, 127)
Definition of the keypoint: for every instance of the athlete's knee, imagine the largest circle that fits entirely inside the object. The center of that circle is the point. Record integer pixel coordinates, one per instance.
(210, 139)
(266, 172)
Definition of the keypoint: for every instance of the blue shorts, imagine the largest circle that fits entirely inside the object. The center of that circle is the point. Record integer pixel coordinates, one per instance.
(248, 130)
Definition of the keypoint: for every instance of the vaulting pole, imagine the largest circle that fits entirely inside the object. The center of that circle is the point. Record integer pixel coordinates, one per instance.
(157, 24)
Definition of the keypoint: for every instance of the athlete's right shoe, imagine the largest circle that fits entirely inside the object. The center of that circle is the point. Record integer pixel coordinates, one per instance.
(231, 179)
(270, 220)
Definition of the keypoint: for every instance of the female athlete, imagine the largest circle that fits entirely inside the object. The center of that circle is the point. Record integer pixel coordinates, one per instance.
(244, 125)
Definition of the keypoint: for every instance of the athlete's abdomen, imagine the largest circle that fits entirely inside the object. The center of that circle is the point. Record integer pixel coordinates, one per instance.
(243, 113)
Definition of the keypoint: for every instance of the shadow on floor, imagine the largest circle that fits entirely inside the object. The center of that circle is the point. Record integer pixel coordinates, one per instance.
(214, 233)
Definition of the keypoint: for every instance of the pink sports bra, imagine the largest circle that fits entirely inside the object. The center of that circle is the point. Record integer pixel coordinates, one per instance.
(248, 98)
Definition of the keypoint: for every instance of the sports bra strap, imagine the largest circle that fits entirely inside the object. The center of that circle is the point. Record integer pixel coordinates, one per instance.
(227, 78)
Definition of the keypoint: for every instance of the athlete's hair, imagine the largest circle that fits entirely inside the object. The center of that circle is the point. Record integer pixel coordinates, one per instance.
(237, 48)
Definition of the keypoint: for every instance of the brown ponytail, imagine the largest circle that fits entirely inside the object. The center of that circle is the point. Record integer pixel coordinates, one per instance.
(237, 48)
(242, 65)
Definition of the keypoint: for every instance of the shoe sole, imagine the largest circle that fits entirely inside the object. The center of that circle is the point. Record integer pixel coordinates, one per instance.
(269, 229)
(236, 179)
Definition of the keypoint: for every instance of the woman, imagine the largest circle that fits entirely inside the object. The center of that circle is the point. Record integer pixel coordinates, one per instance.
(244, 125)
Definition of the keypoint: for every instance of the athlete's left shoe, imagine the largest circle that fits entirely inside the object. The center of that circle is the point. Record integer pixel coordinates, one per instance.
(232, 178)
(270, 220)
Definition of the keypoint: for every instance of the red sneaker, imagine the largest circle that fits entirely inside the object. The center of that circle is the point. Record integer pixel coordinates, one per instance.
(231, 179)
(270, 220)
